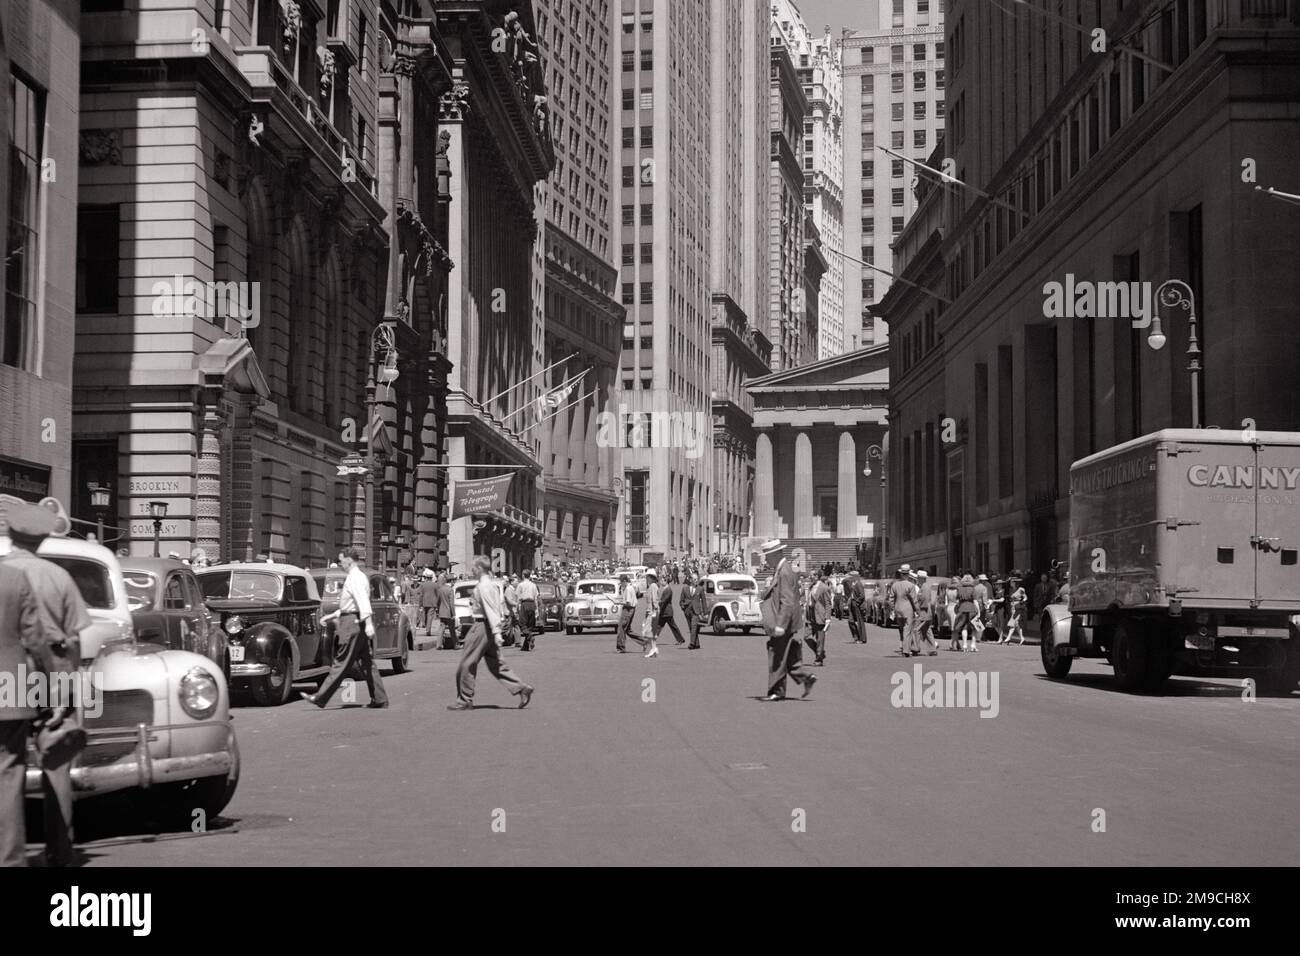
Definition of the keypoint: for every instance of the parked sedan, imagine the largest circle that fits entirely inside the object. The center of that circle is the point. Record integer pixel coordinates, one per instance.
(271, 613)
(550, 605)
(594, 604)
(393, 633)
(167, 609)
(732, 602)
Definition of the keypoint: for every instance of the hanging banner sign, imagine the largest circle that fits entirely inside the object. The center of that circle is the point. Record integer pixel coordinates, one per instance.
(479, 495)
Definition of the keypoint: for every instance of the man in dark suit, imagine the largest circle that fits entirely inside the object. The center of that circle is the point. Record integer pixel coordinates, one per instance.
(21, 636)
(694, 606)
(666, 618)
(819, 615)
(781, 619)
(444, 604)
(855, 601)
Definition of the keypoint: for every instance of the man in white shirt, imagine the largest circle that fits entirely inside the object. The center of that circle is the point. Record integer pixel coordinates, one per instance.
(484, 642)
(628, 596)
(355, 631)
(528, 596)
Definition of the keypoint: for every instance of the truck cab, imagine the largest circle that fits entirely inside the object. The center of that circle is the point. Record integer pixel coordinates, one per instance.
(1184, 558)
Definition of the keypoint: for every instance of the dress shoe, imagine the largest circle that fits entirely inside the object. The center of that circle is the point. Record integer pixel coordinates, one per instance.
(808, 685)
(375, 705)
(312, 699)
(772, 697)
(460, 705)
(653, 652)
(525, 696)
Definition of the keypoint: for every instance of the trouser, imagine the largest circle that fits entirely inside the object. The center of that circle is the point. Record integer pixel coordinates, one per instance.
(423, 616)
(784, 659)
(528, 622)
(924, 629)
(907, 633)
(671, 622)
(56, 802)
(356, 648)
(816, 640)
(857, 622)
(965, 621)
(625, 629)
(693, 623)
(480, 646)
(510, 629)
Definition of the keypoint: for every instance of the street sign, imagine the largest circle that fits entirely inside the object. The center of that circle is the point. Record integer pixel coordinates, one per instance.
(352, 465)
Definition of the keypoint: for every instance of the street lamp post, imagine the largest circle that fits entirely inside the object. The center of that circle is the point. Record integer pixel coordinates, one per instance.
(1174, 293)
(876, 453)
(158, 511)
(99, 498)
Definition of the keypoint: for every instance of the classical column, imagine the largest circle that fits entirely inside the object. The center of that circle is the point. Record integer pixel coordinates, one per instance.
(764, 502)
(847, 526)
(803, 485)
(207, 485)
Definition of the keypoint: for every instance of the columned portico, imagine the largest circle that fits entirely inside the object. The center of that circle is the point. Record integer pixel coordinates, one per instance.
(803, 485)
(847, 526)
(764, 499)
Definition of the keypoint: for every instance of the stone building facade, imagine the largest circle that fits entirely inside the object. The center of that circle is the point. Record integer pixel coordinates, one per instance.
(787, 107)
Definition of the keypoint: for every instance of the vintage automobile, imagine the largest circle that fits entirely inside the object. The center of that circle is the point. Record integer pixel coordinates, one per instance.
(464, 607)
(594, 604)
(550, 605)
(271, 614)
(732, 602)
(394, 637)
(158, 720)
(167, 608)
(636, 574)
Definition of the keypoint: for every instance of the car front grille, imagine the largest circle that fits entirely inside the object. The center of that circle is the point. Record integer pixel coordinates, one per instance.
(123, 710)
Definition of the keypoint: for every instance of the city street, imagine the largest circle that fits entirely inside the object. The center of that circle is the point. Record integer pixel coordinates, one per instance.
(706, 774)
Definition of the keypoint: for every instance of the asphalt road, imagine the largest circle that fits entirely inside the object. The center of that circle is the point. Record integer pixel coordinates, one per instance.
(594, 772)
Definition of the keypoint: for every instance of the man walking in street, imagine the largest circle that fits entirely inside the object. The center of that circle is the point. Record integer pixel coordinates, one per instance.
(424, 595)
(355, 632)
(63, 617)
(967, 610)
(666, 618)
(781, 619)
(694, 607)
(927, 610)
(983, 607)
(22, 644)
(855, 595)
(528, 595)
(819, 615)
(484, 642)
(511, 626)
(902, 598)
(628, 598)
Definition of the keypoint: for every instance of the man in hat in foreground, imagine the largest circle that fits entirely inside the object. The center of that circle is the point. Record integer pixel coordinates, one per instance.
(781, 619)
(902, 598)
(63, 616)
(927, 610)
(21, 640)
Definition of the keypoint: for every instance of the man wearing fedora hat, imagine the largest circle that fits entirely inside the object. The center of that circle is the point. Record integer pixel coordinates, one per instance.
(902, 598)
(781, 608)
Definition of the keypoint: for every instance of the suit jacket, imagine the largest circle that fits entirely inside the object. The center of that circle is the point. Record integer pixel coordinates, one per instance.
(820, 603)
(20, 633)
(692, 600)
(781, 599)
(666, 603)
(444, 601)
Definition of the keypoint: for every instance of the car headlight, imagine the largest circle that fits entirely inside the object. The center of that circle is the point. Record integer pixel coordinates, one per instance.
(570, 609)
(735, 607)
(234, 625)
(199, 693)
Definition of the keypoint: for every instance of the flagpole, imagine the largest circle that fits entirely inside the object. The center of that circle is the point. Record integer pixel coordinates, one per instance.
(526, 381)
(542, 421)
(525, 406)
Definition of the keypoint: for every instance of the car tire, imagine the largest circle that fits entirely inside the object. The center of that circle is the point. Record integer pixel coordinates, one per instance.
(1056, 665)
(577, 630)
(274, 689)
(719, 625)
(1131, 657)
(568, 630)
(402, 662)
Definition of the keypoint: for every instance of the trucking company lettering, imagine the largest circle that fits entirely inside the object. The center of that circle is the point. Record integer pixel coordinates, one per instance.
(1242, 476)
(1118, 473)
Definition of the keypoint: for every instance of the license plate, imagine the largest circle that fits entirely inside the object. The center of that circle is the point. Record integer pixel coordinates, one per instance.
(236, 654)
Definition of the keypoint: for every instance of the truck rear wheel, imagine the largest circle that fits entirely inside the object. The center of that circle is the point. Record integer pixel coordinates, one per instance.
(1284, 675)
(1132, 657)
(1056, 664)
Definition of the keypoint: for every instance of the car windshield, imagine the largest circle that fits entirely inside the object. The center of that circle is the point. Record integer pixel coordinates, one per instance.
(736, 585)
(465, 590)
(547, 591)
(140, 589)
(241, 585)
(91, 578)
(597, 587)
(329, 585)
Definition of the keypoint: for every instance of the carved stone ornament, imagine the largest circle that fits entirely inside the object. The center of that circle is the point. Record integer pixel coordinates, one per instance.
(403, 64)
(98, 146)
(325, 60)
(292, 23)
(221, 170)
(454, 104)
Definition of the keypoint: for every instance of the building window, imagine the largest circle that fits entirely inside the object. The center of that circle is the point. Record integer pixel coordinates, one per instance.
(629, 177)
(629, 214)
(629, 256)
(647, 214)
(918, 51)
(868, 57)
(629, 137)
(896, 169)
(938, 50)
(939, 109)
(97, 259)
(918, 80)
(647, 99)
(868, 197)
(647, 137)
(896, 53)
(938, 79)
(22, 249)
(896, 196)
(628, 297)
(647, 253)
(898, 13)
(918, 110)
(866, 82)
(868, 227)
(896, 139)
(629, 61)
(868, 140)
(918, 138)
(629, 99)
(869, 255)
(647, 60)
(897, 223)
(896, 112)
(868, 169)
(923, 8)
(896, 82)
(647, 293)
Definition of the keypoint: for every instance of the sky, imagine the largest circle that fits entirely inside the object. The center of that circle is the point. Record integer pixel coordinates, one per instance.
(838, 13)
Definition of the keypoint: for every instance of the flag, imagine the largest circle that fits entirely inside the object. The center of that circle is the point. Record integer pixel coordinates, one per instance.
(553, 400)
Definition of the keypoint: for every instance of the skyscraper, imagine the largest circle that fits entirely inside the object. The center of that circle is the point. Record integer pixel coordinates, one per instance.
(583, 318)
(663, 147)
(787, 107)
(893, 98)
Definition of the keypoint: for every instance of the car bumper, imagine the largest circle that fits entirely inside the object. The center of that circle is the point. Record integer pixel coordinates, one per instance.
(249, 670)
(610, 620)
(141, 769)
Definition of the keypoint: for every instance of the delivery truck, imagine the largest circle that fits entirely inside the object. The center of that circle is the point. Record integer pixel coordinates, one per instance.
(1183, 558)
